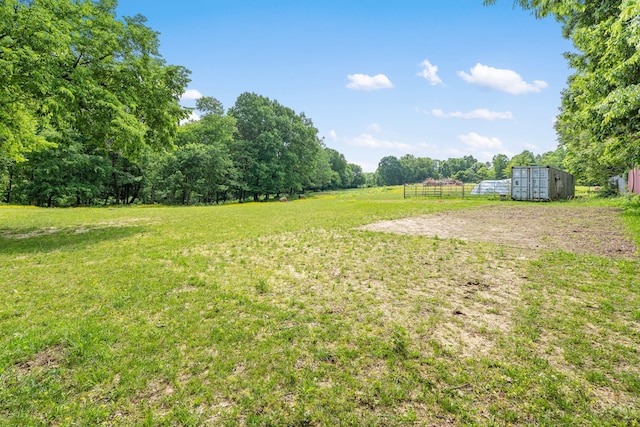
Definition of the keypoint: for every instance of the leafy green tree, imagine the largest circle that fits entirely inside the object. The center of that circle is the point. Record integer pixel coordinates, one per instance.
(72, 65)
(450, 167)
(500, 166)
(371, 179)
(7, 172)
(275, 149)
(417, 169)
(484, 172)
(126, 179)
(210, 106)
(340, 172)
(598, 123)
(554, 158)
(358, 176)
(390, 171)
(67, 175)
(200, 169)
(321, 176)
(410, 168)
(425, 168)
(526, 158)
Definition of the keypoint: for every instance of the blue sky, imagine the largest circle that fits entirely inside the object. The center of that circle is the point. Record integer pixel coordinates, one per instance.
(431, 78)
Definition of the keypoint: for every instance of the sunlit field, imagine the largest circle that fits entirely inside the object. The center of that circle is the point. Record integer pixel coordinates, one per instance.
(294, 314)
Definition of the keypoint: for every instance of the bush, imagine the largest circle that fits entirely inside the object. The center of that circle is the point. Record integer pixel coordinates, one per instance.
(631, 203)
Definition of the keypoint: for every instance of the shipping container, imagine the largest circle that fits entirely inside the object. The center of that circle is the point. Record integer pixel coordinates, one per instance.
(541, 183)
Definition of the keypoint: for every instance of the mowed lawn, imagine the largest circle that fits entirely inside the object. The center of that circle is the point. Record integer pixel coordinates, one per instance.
(290, 314)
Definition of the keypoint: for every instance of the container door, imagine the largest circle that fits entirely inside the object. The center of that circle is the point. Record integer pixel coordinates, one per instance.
(534, 183)
(540, 183)
(520, 183)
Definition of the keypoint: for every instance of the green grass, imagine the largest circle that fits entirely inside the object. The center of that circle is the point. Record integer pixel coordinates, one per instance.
(286, 314)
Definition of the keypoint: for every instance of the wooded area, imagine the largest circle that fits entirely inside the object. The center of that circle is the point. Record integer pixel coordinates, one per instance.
(90, 113)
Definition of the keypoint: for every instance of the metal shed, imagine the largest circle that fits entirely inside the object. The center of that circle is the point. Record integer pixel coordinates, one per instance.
(541, 183)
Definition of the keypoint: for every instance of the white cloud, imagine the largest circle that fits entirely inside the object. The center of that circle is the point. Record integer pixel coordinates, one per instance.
(369, 141)
(481, 113)
(193, 117)
(374, 127)
(366, 82)
(191, 94)
(501, 79)
(474, 140)
(333, 135)
(481, 147)
(430, 72)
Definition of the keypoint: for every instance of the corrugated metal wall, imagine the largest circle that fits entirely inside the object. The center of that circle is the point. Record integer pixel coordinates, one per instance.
(634, 181)
(541, 183)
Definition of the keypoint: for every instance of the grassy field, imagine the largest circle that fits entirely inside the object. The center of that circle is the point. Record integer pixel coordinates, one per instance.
(289, 314)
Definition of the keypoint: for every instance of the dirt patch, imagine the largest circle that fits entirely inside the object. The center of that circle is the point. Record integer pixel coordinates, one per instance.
(580, 229)
(49, 358)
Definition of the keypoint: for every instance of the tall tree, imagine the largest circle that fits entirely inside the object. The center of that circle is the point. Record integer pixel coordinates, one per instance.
(275, 149)
(358, 176)
(341, 176)
(499, 165)
(390, 171)
(201, 166)
(598, 123)
(71, 64)
(554, 158)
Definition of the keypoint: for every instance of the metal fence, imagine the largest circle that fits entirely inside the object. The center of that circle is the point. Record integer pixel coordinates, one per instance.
(438, 191)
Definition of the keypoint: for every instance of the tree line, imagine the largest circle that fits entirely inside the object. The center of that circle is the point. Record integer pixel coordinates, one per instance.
(409, 169)
(257, 150)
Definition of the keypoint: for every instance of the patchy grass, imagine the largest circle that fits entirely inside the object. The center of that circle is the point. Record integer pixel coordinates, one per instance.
(288, 314)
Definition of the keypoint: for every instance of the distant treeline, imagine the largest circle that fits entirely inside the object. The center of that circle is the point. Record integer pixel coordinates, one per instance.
(411, 169)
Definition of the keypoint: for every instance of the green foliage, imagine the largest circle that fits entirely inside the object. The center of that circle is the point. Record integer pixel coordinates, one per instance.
(341, 173)
(390, 171)
(275, 149)
(500, 166)
(72, 66)
(399, 342)
(631, 203)
(598, 123)
(411, 169)
(62, 176)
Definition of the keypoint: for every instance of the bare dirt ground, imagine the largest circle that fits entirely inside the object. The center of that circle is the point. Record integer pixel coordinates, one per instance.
(539, 227)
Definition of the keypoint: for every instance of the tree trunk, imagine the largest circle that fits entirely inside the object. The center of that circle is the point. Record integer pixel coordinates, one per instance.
(114, 174)
(153, 193)
(9, 189)
(136, 188)
(136, 193)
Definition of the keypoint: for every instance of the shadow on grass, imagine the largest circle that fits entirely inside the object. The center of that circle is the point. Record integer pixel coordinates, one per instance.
(43, 241)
